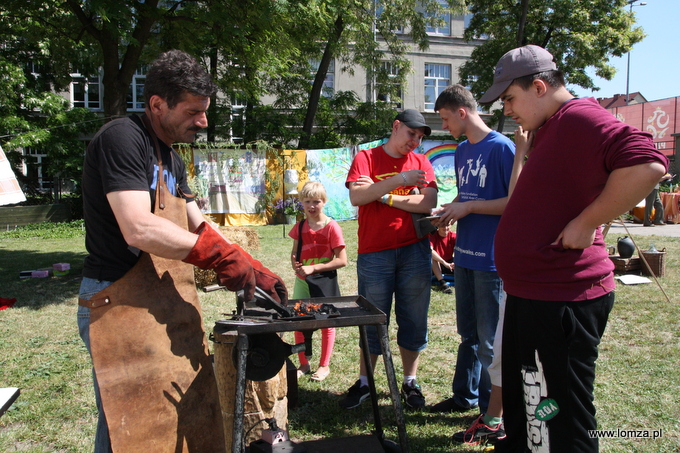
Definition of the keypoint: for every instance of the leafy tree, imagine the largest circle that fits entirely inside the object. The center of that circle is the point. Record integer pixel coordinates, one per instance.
(93, 34)
(342, 120)
(249, 46)
(579, 33)
(366, 33)
(41, 120)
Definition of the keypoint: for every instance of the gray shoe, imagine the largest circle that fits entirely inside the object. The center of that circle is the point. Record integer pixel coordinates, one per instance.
(355, 395)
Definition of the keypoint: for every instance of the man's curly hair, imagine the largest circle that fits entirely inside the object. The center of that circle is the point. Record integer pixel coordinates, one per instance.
(175, 73)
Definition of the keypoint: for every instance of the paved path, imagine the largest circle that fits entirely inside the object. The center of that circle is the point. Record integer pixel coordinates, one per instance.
(637, 229)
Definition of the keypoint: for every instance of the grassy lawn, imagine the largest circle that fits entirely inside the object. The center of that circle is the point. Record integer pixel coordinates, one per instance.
(637, 385)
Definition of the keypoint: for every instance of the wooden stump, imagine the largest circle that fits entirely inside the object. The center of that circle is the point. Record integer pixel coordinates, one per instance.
(264, 399)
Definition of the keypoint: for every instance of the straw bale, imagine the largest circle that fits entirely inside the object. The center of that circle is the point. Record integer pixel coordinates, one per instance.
(246, 237)
(204, 277)
(243, 236)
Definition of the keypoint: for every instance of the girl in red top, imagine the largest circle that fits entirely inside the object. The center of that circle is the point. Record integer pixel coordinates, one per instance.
(323, 250)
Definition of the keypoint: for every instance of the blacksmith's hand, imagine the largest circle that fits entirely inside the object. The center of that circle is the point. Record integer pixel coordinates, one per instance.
(236, 269)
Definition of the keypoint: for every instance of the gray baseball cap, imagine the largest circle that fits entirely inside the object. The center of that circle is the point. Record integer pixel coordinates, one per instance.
(519, 62)
(414, 120)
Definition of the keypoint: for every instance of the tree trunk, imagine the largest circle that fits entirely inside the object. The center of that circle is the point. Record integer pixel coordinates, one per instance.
(115, 97)
(522, 23)
(315, 95)
(520, 40)
(212, 113)
(118, 72)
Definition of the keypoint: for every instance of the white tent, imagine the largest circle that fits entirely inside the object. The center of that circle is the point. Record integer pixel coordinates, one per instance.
(10, 192)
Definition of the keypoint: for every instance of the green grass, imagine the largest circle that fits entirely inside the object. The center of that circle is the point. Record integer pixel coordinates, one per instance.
(637, 385)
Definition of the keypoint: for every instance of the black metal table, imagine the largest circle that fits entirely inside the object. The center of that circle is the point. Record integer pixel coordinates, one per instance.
(353, 311)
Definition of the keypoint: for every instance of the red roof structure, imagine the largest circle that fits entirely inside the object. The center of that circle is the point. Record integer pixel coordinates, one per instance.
(619, 100)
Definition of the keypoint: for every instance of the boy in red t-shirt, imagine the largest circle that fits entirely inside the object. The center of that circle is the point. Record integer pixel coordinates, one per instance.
(442, 243)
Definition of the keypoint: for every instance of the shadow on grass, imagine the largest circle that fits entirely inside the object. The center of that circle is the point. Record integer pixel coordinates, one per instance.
(36, 293)
(319, 415)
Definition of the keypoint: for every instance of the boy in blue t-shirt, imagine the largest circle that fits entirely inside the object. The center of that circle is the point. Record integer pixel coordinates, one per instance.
(483, 167)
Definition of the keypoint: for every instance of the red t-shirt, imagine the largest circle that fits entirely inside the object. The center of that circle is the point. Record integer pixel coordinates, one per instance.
(574, 153)
(443, 245)
(318, 246)
(382, 227)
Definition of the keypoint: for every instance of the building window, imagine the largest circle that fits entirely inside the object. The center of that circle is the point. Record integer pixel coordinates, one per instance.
(35, 162)
(389, 92)
(85, 92)
(466, 20)
(328, 89)
(36, 69)
(238, 117)
(437, 77)
(445, 28)
(135, 96)
(378, 12)
(480, 108)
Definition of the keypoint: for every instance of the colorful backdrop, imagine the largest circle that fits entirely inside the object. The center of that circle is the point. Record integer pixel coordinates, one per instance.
(229, 183)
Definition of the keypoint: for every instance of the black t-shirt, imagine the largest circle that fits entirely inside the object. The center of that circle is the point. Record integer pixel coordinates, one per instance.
(121, 156)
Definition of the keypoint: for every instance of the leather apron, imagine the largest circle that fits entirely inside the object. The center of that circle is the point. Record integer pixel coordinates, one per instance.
(150, 353)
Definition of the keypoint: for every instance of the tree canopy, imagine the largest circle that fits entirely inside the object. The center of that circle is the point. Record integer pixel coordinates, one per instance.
(367, 33)
(283, 48)
(31, 113)
(579, 33)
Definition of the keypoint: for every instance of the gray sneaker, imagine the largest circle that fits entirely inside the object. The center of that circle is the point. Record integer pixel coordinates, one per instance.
(412, 395)
(355, 395)
(479, 433)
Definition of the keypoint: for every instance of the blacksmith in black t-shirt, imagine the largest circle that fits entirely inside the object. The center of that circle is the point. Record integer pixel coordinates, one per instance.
(120, 179)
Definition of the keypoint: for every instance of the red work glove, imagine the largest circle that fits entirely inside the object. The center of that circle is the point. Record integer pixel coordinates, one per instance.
(235, 268)
(271, 283)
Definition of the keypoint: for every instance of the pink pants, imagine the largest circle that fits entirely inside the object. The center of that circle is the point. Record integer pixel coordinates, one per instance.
(327, 343)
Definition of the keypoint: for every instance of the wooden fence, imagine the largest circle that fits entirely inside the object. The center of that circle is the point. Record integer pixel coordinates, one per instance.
(23, 215)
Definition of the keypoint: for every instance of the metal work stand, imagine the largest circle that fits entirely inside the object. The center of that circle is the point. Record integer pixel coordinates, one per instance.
(353, 312)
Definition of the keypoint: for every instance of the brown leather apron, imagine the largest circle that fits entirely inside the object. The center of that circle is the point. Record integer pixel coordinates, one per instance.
(150, 354)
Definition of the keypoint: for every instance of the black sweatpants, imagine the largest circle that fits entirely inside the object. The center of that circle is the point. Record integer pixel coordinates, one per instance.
(548, 356)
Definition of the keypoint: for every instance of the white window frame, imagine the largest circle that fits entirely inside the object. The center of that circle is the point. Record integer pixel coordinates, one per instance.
(135, 101)
(238, 105)
(437, 77)
(394, 72)
(444, 30)
(328, 89)
(91, 90)
(36, 160)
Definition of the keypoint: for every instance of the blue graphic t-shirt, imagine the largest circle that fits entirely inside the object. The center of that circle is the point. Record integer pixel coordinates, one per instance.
(482, 173)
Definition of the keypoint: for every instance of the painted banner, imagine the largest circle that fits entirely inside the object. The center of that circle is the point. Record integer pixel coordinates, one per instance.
(232, 181)
(441, 155)
(330, 167)
(229, 181)
(10, 192)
